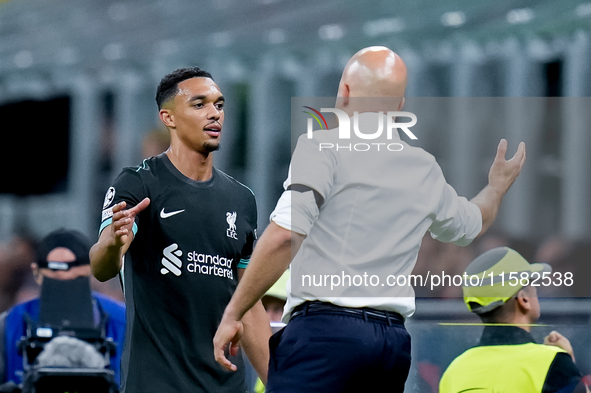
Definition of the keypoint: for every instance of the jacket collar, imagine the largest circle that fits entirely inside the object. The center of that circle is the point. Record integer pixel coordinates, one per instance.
(505, 335)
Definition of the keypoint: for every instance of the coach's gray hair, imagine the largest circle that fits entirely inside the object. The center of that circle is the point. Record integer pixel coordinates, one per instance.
(70, 352)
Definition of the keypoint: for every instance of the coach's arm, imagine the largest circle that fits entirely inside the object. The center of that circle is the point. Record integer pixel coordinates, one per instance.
(269, 260)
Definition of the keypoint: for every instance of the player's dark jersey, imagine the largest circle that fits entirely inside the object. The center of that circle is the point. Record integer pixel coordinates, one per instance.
(179, 274)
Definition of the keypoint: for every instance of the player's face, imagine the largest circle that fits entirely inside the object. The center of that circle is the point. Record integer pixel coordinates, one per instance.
(198, 113)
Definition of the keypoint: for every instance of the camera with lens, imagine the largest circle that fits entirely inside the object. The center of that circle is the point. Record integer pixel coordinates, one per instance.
(66, 349)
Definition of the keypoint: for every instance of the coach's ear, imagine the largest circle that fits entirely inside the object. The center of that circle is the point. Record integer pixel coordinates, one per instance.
(401, 104)
(346, 93)
(167, 118)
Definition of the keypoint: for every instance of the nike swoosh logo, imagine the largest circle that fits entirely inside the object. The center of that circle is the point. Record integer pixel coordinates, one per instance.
(169, 214)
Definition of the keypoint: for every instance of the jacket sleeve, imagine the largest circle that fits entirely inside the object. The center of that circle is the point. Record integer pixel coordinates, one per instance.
(563, 375)
(455, 219)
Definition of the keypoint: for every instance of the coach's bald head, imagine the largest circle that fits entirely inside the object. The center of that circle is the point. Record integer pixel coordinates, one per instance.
(376, 72)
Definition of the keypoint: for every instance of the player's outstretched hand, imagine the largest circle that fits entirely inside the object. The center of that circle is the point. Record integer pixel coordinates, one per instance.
(558, 340)
(123, 221)
(503, 173)
(229, 332)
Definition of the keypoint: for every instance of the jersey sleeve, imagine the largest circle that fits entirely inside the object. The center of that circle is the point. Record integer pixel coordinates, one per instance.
(127, 187)
(251, 236)
(455, 219)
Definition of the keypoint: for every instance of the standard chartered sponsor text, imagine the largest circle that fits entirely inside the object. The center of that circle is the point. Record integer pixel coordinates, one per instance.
(441, 279)
(209, 264)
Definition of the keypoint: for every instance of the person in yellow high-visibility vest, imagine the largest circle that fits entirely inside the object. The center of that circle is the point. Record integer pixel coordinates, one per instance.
(507, 359)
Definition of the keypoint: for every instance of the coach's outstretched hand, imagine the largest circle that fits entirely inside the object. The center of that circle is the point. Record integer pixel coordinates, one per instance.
(501, 177)
(106, 254)
(503, 173)
(229, 332)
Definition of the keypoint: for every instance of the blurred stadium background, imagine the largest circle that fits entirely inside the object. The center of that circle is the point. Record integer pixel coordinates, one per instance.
(77, 86)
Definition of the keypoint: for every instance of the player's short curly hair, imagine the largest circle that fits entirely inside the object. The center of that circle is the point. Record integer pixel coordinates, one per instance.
(169, 85)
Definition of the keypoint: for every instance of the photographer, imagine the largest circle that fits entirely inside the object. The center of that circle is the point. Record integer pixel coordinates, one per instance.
(61, 255)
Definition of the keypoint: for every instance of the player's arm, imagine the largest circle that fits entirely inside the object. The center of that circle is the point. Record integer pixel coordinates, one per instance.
(501, 177)
(255, 340)
(106, 254)
(270, 259)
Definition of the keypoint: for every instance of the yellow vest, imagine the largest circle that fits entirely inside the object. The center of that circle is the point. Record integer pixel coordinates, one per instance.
(259, 387)
(518, 368)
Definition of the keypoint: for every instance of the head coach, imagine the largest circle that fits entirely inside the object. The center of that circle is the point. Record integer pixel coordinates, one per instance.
(342, 344)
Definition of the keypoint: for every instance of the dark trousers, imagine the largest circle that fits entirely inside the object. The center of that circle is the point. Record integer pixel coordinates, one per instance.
(334, 352)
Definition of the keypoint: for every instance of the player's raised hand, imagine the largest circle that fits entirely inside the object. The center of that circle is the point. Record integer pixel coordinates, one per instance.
(503, 173)
(122, 224)
(229, 332)
(106, 254)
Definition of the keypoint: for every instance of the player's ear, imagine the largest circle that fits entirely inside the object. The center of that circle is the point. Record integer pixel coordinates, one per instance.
(167, 117)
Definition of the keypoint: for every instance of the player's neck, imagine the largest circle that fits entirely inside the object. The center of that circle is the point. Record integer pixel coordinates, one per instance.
(194, 165)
